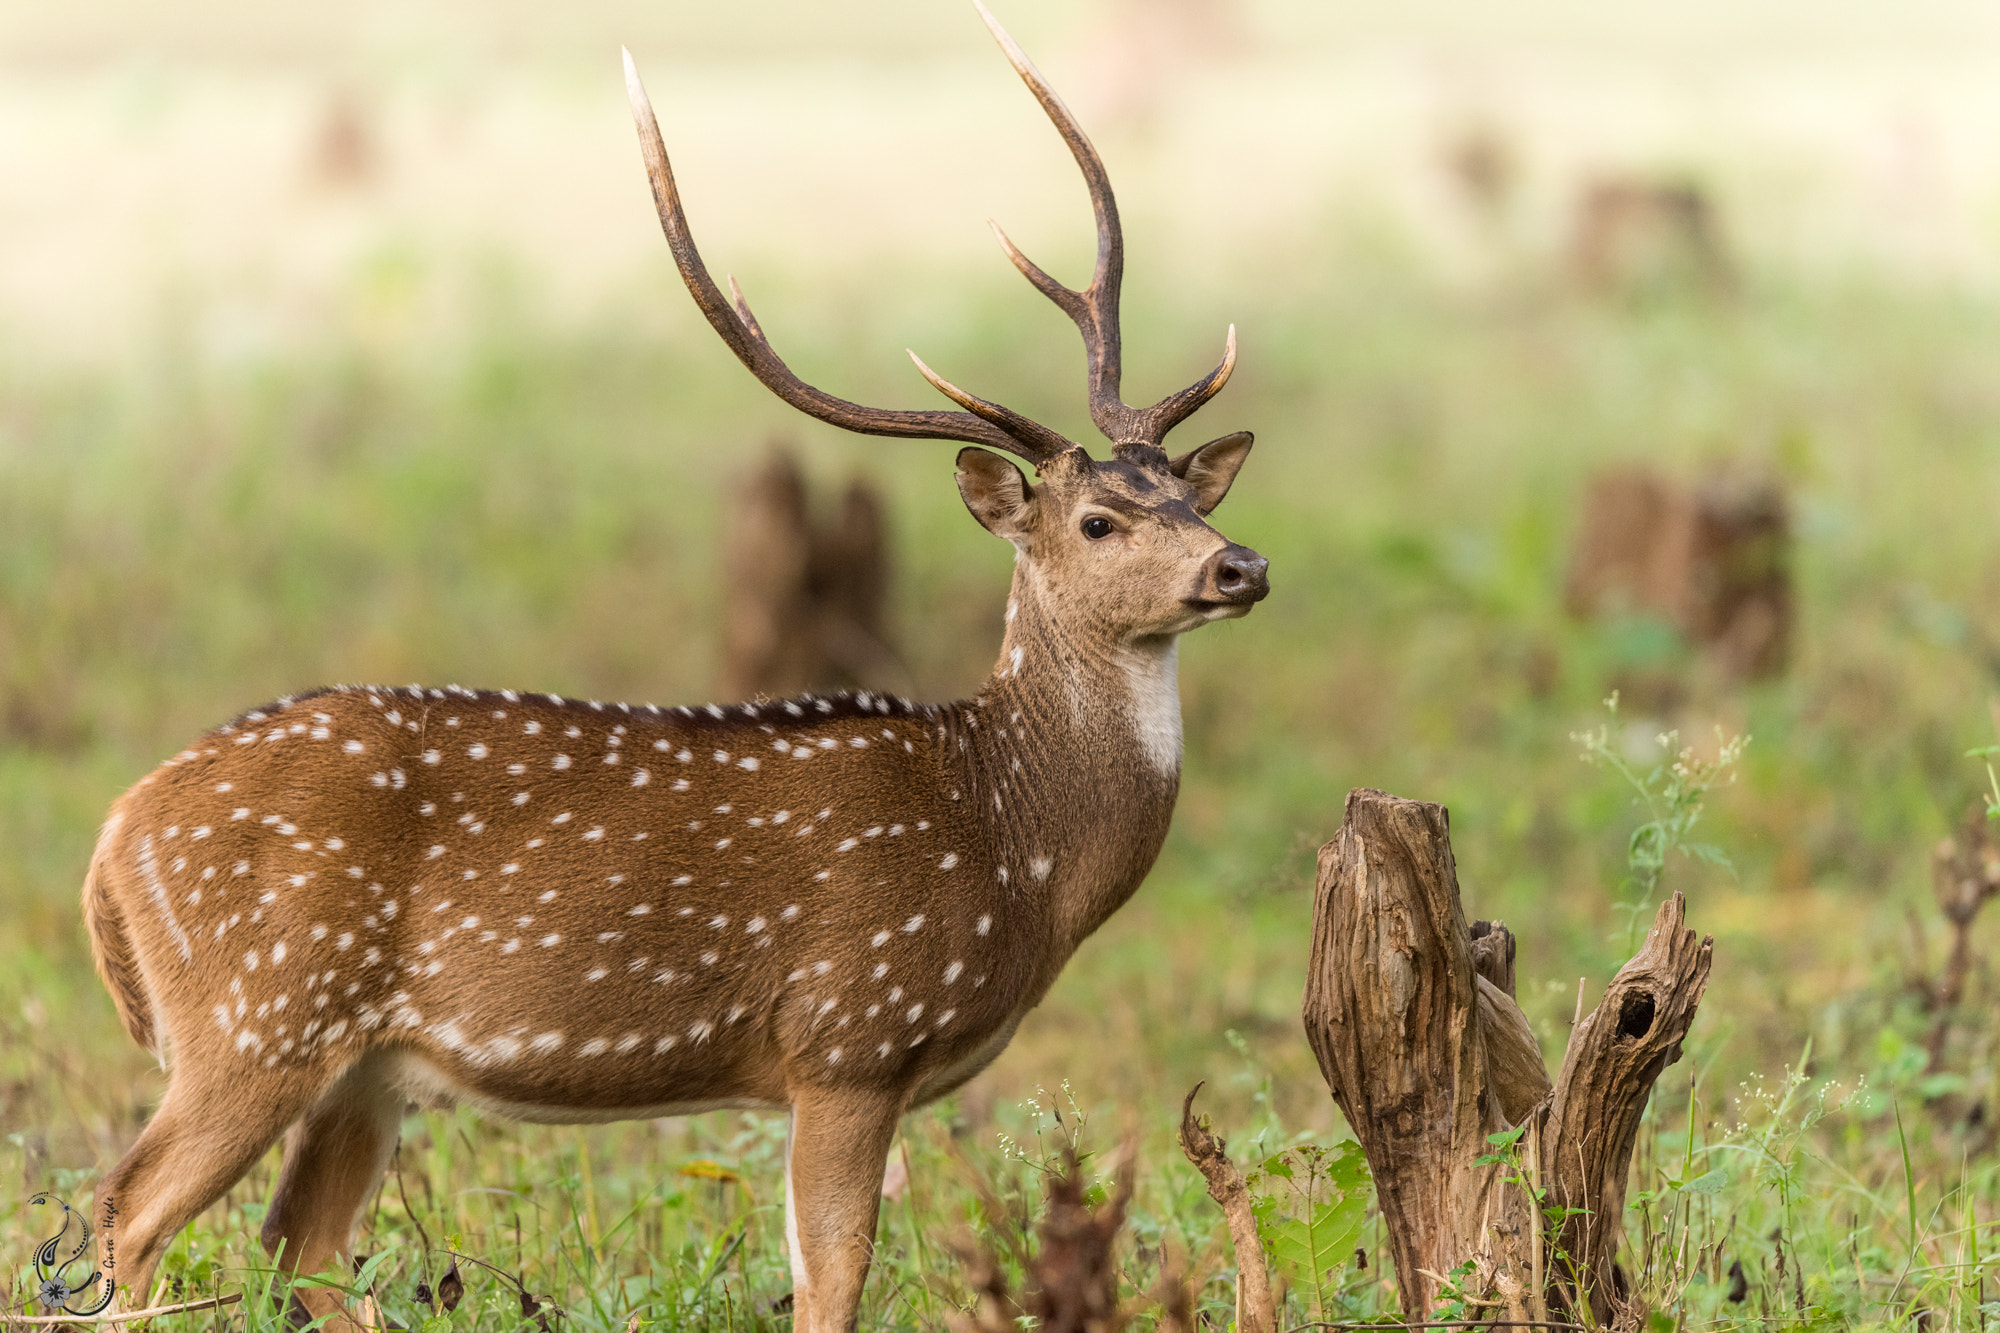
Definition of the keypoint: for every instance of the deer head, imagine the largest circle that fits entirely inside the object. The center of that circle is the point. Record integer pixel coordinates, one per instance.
(1126, 541)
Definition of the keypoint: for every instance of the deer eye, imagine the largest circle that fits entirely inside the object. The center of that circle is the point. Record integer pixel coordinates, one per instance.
(1096, 528)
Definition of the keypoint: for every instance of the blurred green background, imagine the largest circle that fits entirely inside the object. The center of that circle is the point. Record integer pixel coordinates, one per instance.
(338, 343)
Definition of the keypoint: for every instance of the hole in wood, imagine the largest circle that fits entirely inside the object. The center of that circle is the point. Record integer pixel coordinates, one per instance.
(1635, 1015)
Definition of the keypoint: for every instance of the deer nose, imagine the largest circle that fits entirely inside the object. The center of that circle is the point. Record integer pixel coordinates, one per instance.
(1235, 576)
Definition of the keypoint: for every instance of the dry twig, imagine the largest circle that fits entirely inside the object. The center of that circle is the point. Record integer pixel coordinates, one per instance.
(1256, 1312)
(8, 1319)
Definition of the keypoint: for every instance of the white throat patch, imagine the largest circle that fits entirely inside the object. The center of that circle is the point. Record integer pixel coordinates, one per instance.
(1153, 681)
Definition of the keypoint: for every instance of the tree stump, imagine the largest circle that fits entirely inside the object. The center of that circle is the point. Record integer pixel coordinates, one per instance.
(805, 598)
(1712, 559)
(1412, 1015)
(1965, 873)
(1631, 232)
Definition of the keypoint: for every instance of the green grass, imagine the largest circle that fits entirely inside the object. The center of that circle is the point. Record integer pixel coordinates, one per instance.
(179, 540)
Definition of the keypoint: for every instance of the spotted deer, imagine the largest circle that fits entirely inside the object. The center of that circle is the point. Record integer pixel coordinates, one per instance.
(570, 911)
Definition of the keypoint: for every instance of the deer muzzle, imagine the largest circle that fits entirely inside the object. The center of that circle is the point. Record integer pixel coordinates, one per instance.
(1235, 576)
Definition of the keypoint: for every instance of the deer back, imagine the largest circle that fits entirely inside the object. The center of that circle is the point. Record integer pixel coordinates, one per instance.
(547, 902)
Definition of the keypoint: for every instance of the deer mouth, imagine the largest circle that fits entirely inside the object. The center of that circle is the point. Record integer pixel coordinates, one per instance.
(1214, 610)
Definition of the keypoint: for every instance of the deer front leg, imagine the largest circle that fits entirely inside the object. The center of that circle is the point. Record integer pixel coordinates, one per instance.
(834, 1156)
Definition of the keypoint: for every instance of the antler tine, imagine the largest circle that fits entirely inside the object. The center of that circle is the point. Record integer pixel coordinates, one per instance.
(1175, 408)
(742, 304)
(1094, 309)
(740, 331)
(1004, 417)
(1071, 302)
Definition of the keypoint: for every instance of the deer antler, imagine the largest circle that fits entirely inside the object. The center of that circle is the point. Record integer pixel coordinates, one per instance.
(1094, 310)
(983, 423)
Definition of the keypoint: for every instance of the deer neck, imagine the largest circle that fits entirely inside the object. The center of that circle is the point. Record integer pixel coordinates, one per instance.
(1073, 751)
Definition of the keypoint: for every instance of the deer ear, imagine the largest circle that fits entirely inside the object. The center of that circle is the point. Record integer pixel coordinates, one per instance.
(996, 493)
(1211, 468)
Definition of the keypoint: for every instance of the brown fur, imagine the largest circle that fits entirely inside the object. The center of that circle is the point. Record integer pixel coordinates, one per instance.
(113, 952)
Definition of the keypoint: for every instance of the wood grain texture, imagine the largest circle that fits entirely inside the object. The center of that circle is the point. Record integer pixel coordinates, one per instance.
(1615, 1055)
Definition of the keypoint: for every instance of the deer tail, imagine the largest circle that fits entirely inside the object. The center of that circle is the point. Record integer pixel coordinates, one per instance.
(111, 943)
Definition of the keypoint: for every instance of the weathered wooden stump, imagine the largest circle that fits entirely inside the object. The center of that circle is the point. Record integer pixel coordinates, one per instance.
(805, 600)
(1712, 559)
(1412, 1015)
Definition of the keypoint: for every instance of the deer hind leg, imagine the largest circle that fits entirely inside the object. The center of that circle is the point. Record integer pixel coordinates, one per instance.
(211, 1127)
(833, 1190)
(334, 1157)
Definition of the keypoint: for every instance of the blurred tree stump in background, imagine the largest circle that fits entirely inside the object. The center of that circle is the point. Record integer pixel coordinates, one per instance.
(1142, 52)
(1485, 170)
(1965, 873)
(1422, 1044)
(1631, 233)
(1713, 560)
(344, 153)
(805, 598)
